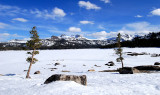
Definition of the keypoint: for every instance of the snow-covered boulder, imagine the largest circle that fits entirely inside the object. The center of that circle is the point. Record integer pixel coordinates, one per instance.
(61, 77)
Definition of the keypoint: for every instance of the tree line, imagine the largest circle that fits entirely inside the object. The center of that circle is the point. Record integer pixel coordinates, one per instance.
(149, 40)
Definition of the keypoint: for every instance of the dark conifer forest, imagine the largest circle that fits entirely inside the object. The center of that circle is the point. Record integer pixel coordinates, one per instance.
(149, 40)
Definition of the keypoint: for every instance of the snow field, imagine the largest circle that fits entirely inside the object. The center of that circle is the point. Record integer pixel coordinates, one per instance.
(98, 83)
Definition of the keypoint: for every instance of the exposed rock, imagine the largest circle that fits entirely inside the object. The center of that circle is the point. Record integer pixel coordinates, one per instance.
(52, 68)
(148, 67)
(64, 65)
(128, 52)
(111, 63)
(109, 71)
(57, 64)
(60, 77)
(136, 54)
(91, 70)
(48, 64)
(97, 66)
(157, 63)
(139, 69)
(145, 53)
(155, 55)
(65, 71)
(37, 72)
(1, 75)
(9, 74)
(25, 70)
(128, 70)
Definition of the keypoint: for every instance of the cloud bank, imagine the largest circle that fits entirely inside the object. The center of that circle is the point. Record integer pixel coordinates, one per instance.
(88, 5)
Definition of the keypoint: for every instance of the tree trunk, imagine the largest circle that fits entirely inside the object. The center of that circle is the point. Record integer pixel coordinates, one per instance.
(121, 60)
(122, 64)
(27, 76)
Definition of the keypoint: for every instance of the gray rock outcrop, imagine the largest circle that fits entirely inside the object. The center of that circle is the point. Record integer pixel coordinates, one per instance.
(61, 77)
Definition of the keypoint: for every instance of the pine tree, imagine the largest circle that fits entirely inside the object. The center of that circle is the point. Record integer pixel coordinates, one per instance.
(33, 44)
(119, 50)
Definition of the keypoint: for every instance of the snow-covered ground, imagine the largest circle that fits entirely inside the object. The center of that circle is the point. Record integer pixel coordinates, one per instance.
(98, 83)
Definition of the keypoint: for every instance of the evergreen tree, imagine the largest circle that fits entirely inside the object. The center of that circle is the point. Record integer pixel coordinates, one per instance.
(33, 44)
(119, 50)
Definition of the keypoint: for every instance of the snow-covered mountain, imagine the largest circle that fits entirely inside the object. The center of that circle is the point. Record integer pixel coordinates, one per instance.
(127, 37)
(124, 37)
(17, 41)
(73, 41)
(72, 37)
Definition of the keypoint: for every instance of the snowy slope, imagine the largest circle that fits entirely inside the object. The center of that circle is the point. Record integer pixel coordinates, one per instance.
(17, 41)
(124, 37)
(99, 83)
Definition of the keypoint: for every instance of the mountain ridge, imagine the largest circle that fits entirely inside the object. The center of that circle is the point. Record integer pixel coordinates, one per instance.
(68, 42)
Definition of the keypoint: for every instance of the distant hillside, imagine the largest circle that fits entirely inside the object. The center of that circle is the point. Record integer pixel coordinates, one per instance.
(149, 40)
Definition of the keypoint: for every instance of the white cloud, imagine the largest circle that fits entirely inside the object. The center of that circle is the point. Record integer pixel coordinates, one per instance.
(86, 22)
(106, 1)
(39, 13)
(7, 7)
(104, 35)
(88, 5)
(140, 28)
(6, 36)
(138, 16)
(7, 10)
(3, 25)
(56, 12)
(74, 29)
(99, 35)
(3, 36)
(20, 19)
(26, 39)
(156, 12)
(101, 27)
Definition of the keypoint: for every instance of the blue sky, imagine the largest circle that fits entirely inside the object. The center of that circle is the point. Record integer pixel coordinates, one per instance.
(95, 19)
